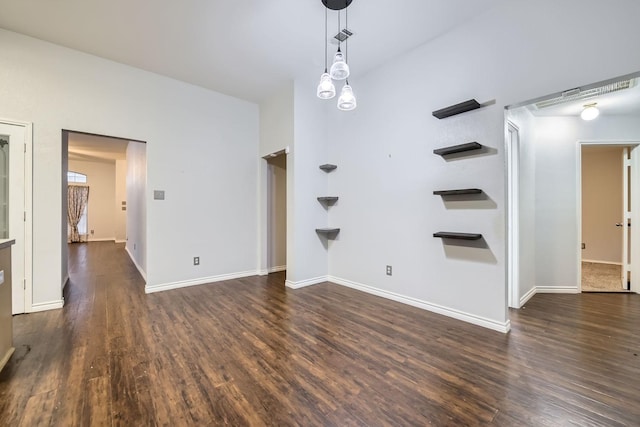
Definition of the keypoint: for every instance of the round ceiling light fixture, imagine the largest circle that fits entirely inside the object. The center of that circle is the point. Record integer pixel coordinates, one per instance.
(590, 112)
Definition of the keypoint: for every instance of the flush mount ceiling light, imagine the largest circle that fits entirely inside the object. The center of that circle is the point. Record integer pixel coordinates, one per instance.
(339, 69)
(590, 112)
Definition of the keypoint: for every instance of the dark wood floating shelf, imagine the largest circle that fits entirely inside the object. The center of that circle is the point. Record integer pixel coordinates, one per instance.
(459, 236)
(328, 167)
(327, 230)
(463, 107)
(328, 199)
(469, 146)
(457, 192)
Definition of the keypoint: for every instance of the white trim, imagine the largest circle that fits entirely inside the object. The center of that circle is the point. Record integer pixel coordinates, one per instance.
(263, 272)
(308, 282)
(148, 289)
(557, 290)
(28, 208)
(6, 357)
(435, 308)
(277, 268)
(512, 153)
(44, 306)
(120, 241)
(601, 262)
(526, 297)
(105, 239)
(133, 260)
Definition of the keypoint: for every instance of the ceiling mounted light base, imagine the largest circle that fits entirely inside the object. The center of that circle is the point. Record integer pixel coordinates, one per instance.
(336, 4)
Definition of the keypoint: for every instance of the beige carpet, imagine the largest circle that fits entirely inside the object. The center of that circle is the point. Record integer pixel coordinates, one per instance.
(598, 277)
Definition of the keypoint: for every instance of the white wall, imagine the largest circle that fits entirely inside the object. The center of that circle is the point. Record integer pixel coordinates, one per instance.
(557, 257)
(602, 204)
(137, 205)
(525, 122)
(201, 150)
(120, 215)
(101, 179)
(276, 134)
(387, 171)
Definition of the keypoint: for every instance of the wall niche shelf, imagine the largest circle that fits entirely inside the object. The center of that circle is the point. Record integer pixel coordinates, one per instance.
(328, 199)
(461, 148)
(460, 108)
(328, 167)
(457, 192)
(458, 236)
(328, 231)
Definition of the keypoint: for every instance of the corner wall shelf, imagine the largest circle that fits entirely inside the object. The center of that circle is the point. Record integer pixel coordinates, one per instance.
(327, 231)
(460, 108)
(469, 146)
(328, 167)
(328, 199)
(457, 192)
(459, 236)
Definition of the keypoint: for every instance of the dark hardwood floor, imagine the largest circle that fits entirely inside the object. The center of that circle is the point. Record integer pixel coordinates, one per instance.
(250, 352)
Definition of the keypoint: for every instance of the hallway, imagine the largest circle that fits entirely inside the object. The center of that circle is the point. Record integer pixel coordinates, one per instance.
(249, 352)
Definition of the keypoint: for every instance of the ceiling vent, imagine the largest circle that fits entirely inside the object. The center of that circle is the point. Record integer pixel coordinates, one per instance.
(578, 94)
(342, 36)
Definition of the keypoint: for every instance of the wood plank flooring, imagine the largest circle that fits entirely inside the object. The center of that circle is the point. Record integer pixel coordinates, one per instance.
(249, 352)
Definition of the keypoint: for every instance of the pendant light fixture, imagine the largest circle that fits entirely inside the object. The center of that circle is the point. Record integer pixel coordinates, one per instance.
(339, 68)
(590, 112)
(326, 89)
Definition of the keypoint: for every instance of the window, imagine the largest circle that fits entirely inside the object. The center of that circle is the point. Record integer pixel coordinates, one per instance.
(76, 177)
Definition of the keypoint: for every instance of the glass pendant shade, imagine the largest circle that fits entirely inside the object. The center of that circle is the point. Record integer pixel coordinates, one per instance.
(590, 112)
(326, 89)
(347, 100)
(339, 69)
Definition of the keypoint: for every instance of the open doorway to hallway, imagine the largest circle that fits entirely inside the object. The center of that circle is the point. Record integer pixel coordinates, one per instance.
(104, 195)
(277, 212)
(545, 243)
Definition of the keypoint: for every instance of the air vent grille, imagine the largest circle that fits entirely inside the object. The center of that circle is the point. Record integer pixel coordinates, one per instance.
(577, 94)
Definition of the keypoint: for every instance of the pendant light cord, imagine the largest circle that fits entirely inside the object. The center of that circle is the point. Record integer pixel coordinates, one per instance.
(346, 26)
(325, 39)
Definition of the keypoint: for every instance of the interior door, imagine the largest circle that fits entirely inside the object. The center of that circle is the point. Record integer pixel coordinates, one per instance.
(631, 212)
(12, 199)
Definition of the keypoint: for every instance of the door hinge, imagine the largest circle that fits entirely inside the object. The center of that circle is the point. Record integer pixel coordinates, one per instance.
(24, 217)
(24, 283)
(25, 147)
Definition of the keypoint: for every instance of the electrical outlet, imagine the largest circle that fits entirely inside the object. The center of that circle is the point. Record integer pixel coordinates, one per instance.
(92, 232)
(196, 260)
(389, 270)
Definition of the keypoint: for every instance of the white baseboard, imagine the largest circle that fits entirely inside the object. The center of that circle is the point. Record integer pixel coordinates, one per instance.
(44, 306)
(277, 268)
(103, 239)
(557, 290)
(133, 260)
(595, 261)
(149, 289)
(263, 272)
(435, 308)
(6, 357)
(303, 283)
(121, 241)
(526, 297)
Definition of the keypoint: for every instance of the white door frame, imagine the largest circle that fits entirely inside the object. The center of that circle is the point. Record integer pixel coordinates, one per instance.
(635, 217)
(512, 154)
(28, 208)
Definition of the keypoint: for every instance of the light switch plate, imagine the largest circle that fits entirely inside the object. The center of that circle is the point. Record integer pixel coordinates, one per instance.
(158, 194)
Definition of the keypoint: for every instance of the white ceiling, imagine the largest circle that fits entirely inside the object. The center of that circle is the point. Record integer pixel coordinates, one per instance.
(245, 48)
(96, 148)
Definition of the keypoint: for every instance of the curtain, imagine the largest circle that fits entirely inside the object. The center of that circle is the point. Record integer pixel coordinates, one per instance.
(78, 196)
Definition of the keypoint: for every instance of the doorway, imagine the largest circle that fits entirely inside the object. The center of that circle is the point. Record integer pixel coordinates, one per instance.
(607, 179)
(276, 212)
(16, 210)
(113, 172)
